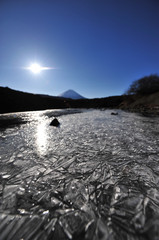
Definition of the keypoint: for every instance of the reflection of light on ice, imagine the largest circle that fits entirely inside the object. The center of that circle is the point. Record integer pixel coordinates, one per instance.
(41, 138)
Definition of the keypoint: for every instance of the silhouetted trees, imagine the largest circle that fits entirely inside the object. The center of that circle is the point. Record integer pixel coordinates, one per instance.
(145, 85)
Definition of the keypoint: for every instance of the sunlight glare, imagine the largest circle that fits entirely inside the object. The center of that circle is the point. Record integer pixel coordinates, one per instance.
(41, 138)
(35, 68)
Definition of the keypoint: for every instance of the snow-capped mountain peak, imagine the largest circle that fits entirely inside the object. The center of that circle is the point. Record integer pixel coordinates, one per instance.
(71, 94)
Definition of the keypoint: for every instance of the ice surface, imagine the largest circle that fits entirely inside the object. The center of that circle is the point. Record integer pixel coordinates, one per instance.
(95, 177)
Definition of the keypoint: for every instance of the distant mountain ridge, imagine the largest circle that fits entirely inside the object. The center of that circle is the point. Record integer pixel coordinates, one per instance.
(71, 94)
(17, 101)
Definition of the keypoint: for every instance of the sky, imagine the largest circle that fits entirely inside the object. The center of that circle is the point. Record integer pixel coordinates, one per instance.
(95, 47)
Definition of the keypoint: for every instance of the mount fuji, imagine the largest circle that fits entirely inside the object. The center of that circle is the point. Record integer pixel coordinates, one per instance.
(71, 94)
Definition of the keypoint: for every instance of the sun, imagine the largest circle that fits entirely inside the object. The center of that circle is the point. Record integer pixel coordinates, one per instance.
(36, 68)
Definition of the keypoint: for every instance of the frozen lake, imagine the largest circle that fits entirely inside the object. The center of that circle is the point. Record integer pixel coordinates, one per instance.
(95, 177)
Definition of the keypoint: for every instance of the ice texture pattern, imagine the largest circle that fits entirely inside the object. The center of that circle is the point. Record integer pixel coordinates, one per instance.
(95, 177)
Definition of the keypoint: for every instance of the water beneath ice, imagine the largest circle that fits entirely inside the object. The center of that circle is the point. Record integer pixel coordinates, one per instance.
(95, 177)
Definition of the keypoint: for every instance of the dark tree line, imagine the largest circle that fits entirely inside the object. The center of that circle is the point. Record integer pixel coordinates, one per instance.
(145, 85)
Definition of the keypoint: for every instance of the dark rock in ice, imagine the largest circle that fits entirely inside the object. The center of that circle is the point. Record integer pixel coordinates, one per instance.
(55, 122)
(114, 113)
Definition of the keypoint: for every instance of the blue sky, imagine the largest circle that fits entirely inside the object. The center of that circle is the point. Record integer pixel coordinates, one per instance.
(96, 47)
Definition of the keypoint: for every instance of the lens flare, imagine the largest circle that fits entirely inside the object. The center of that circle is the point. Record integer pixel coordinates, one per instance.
(35, 68)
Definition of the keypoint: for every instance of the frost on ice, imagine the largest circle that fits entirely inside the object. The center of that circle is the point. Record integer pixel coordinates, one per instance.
(95, 177)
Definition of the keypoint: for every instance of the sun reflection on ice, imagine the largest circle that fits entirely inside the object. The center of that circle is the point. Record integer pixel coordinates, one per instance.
(41, 138)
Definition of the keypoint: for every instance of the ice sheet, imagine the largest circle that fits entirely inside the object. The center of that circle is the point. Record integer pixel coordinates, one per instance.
(94, 177)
